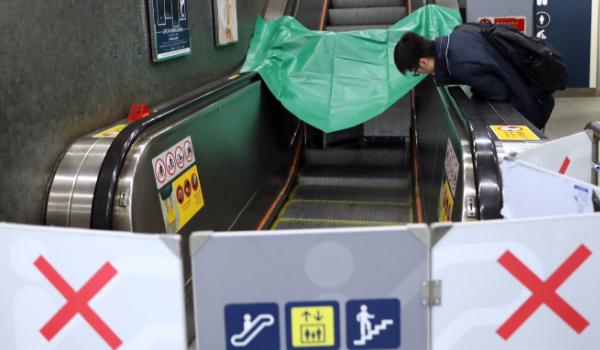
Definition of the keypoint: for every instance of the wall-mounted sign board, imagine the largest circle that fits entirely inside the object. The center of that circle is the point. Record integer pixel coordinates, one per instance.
(169, 29)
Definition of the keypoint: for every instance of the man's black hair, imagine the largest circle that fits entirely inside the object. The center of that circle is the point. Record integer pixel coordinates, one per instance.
(410, 49)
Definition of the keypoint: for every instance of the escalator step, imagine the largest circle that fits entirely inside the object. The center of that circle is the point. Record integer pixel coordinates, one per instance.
(391, 195)
(342, 175)
(367, 15)
(357, 27)
(367, 156)
(288, 224)
(366, 3)
(346, 212)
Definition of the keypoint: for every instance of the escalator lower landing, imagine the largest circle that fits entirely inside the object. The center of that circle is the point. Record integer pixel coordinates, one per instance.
(349, 187)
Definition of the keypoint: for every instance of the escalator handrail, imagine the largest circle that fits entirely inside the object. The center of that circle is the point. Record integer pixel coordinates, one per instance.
(488, 180)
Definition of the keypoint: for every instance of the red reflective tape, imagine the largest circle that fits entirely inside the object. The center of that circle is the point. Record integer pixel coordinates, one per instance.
(543, 292)
(564, 166)
(77, 302)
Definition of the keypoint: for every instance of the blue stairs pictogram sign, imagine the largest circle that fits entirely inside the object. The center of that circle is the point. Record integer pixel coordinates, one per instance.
(373, 324)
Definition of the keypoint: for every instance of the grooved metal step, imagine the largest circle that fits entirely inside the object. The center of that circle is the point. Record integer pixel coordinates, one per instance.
(358, 27)
(390, 195)
(288, 224)
(346, 212)
(394, 157)
(344, 175)
(367, 15)
(366, 3)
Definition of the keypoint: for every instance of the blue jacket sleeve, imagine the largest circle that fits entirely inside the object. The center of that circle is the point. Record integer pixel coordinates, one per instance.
(484, 83)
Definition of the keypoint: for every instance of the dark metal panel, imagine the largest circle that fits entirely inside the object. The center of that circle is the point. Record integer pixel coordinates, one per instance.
(69, 68)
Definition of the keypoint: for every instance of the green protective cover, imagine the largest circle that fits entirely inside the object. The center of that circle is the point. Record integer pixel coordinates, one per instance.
(334, 81)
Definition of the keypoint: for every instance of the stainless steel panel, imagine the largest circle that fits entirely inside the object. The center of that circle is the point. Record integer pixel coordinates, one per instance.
(71, 192)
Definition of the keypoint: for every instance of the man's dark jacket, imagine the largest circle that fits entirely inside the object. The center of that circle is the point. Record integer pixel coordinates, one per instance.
(467, 57)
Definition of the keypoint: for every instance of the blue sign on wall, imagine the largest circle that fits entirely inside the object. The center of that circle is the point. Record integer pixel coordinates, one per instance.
(567, 26)
(170, 29)
(373, 324)
(252, 326)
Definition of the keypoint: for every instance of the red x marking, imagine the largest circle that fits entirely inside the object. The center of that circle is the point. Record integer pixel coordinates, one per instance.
(77, 301)
(565, 165)
(543, 292)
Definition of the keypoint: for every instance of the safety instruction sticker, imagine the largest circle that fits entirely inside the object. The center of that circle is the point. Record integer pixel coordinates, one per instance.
(446, 203)
(451, 166)
(514, 133)
(181, 199)
(111, 132)
(312, 325)
(172, 162)
(178, 183)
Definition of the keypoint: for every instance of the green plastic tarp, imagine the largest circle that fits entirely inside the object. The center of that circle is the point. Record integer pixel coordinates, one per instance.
(334, 81)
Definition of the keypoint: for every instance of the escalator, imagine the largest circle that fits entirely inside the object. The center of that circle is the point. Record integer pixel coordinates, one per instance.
(347, 15)
(258, 167)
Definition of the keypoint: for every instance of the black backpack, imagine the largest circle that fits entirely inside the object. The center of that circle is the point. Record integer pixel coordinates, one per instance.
(539, 63)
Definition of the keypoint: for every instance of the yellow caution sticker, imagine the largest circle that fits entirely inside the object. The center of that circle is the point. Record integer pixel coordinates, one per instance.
(446, 203)
(112, 132)
(181, 199)
(514, 133)
(312, 326)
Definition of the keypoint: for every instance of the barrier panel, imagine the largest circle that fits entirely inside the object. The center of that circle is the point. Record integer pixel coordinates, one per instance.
(570, 156)
(519, 284)
(80, 289)
(530, 191)
(356, 288)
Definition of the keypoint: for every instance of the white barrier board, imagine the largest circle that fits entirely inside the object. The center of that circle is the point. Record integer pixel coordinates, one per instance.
(570, 155)
(326, 289)
(530, 191)
(82, 289)
(519, 284)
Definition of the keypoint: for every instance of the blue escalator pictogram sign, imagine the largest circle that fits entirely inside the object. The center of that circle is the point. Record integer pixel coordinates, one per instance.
(252, 326)
(373, 324)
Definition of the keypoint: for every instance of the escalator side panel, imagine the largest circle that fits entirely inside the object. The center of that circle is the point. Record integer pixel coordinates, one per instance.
(237, 141)
(435, 126)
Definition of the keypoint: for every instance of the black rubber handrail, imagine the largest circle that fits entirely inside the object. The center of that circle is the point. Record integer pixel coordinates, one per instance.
(488, 180)
(108, 177)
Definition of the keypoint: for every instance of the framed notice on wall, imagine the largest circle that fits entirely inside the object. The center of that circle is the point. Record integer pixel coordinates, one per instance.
(169, 29)
(226, 22)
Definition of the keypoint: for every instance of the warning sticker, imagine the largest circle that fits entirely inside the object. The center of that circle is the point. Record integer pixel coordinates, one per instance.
(513, 132)
(446, 203)
(312, 325)
(181, 200)
(112, 132)
(172, 162)
(452, 166)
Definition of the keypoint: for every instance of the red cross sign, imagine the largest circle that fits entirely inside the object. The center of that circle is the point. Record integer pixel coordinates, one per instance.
(77, 302)
(543, 292)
